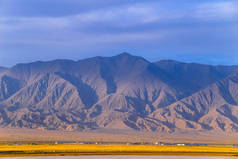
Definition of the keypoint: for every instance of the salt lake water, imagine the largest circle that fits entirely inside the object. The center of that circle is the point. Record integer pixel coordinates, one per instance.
(124, 157)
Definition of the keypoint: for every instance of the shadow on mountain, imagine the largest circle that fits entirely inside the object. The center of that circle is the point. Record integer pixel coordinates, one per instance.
(8, 87)
(87, 94)
(109, 79)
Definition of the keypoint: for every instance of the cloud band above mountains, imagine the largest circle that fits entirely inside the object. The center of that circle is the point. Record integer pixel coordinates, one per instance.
(183, 30)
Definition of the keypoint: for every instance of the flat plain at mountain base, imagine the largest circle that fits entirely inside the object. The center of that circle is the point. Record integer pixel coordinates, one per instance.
(15, 135)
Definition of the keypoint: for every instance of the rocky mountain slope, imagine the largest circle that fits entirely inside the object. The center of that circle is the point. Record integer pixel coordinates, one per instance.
(119, 92)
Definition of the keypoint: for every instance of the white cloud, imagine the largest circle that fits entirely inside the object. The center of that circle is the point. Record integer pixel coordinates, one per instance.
(217, 10)
(128, 15)
(132, 15)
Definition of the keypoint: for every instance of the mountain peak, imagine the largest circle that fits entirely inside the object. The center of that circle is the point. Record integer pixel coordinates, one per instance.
(127, 56)
(124, 54)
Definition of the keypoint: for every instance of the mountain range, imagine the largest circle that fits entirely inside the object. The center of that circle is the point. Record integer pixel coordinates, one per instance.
(120, 92)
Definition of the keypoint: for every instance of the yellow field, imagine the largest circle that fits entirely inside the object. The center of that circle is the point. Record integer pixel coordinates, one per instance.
(6, 150)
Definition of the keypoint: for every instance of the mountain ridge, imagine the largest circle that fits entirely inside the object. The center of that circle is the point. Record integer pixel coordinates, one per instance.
(123, 92)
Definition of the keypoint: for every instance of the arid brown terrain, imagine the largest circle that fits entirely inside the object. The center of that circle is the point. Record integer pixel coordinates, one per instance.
(121, 92)
(22, 135)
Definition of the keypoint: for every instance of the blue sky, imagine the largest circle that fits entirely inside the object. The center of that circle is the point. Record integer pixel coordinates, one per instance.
(204, 31)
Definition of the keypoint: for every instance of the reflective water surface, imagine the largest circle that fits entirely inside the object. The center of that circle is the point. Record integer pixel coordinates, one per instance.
(124, 157)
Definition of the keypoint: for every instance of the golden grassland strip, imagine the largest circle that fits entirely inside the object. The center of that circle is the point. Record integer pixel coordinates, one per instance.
(74, 150)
